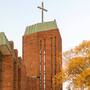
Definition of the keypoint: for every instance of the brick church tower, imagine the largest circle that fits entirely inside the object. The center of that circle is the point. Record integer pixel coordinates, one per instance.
(42, 46)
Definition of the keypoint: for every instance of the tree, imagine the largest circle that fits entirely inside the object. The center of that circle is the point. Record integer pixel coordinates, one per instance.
(59, 78)
(83, 79)
(78, 66)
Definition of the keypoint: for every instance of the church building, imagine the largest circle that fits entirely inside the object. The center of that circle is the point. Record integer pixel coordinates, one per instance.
(10, 65)
(42, 50)
(41, 58)
(42, 45)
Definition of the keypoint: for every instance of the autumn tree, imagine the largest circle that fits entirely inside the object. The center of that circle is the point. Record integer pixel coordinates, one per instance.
(77, 66)
(83, 79)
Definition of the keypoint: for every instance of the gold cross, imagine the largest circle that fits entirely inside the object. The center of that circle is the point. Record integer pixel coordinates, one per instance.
(42, 9)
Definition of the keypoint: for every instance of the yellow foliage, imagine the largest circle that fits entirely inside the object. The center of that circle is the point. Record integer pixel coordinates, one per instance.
(59, 78)
(84, 47)
(78, 66)
(83, 78)
(75, 65)
(84, 44)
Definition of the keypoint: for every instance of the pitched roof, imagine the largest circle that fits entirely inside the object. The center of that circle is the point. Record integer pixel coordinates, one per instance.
(45, 26)
(5, 48)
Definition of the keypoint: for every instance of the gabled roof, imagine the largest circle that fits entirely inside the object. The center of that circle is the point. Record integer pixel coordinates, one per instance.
(45, 26)
(5, 48)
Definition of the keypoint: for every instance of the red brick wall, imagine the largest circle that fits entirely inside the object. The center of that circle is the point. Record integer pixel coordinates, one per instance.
(23, 77)
(31, 56)
(7, 73)
(15, 69)
(10, 70)
(19, 73)
(0, 71)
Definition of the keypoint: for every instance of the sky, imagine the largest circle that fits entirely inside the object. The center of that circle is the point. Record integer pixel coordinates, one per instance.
(72, 16)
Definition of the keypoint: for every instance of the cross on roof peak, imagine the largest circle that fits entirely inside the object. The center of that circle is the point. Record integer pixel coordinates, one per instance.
(42, 13)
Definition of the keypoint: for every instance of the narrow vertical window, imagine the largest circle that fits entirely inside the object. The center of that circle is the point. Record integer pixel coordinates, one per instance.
(55, 55)
(51, 63)
(14, 75)
(44, 64)
(19, 78)
(40, 65)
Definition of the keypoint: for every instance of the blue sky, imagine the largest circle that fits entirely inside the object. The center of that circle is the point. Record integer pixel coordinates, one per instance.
(72, 16)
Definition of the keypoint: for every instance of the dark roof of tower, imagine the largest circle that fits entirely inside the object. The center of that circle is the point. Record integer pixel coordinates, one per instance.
(45, 26)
